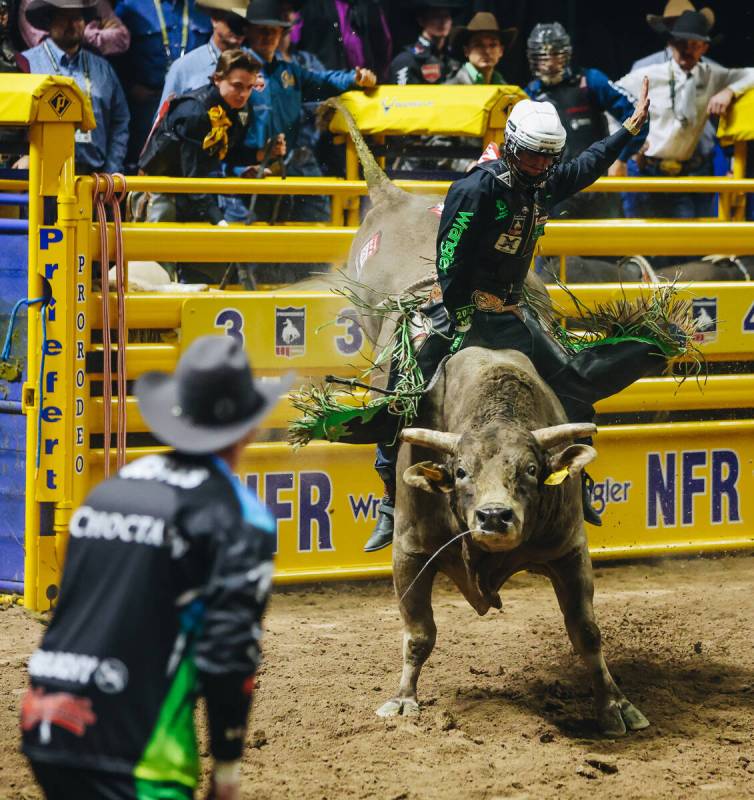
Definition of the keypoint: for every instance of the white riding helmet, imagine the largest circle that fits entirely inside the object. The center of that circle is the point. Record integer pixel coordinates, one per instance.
(535, 127)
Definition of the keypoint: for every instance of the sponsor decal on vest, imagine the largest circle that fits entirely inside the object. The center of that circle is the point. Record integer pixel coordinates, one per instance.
(506, 179)
(448, 247)
(88, 523)
(507, 243)
(431, 72)
(157, 468)
(110, 675)
(290, 331)
(501, 209)
(72, 713)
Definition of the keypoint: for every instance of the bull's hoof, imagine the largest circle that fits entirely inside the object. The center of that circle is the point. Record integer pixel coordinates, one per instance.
(399, 706)
(620, 716)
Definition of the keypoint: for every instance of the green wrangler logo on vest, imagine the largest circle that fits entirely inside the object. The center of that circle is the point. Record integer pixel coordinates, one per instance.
(502, 209)
(448, 247)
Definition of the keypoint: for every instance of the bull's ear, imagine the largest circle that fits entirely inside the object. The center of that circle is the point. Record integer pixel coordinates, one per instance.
(429, 476)
(569, 462)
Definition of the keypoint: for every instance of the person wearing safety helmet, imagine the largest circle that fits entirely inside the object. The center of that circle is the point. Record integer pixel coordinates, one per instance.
(489, 226)
(581, 97)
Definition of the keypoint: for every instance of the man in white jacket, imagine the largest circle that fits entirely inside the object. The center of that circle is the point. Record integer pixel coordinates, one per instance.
(684, 91)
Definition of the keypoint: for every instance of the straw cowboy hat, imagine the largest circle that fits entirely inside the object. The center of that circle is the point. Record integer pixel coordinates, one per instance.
(674, 9)
(210, 402)
(482, 22)
(40, 13)
(237, 7)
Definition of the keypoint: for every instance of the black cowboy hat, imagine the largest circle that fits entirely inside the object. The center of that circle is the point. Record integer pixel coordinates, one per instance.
(482, 22)
(451, 5)
(690, 25)
(210, 402)
(266, 12)
(40, 13)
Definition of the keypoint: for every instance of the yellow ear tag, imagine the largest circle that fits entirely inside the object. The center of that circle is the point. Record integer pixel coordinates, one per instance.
(556, 478)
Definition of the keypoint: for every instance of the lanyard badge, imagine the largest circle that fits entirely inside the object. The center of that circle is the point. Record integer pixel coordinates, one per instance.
(164, 31)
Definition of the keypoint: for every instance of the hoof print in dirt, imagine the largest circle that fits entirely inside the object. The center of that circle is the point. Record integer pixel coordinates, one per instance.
(399, 707)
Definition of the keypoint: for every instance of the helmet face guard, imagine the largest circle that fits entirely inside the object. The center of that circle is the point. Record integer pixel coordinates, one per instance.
(548, 49)
(513, 151)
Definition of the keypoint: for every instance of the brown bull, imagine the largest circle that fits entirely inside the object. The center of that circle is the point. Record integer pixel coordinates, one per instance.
(495, 459)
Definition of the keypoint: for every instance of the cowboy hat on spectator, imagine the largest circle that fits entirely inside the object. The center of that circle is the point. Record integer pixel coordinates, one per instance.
(673, 9)
(236, 7)
(482, 22)
(266, 12)
(40, 13)
(690, 25)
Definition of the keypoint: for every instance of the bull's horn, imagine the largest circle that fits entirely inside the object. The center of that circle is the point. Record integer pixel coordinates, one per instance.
(549, 437)
(435, 440)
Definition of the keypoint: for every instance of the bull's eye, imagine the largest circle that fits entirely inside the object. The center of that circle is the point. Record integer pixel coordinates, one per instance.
(460, 473)
(531, 470)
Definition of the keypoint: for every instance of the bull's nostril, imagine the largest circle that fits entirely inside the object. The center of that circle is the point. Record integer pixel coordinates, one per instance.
(494, 517)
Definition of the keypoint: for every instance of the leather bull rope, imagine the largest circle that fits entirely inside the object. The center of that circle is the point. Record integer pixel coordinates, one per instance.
(101, 200)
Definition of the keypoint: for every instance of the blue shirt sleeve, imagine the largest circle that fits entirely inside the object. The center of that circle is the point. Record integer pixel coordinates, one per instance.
(319, 85)
(618, 103)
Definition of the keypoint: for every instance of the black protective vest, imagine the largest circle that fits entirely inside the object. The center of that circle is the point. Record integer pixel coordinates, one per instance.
(583, 120)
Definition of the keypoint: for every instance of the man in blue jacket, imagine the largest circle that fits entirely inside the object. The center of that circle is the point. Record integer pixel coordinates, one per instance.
(278, 99)
(581, 97)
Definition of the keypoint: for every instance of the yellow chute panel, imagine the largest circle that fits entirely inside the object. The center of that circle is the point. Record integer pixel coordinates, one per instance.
(738, 125)
(44, 98)
(425, 110)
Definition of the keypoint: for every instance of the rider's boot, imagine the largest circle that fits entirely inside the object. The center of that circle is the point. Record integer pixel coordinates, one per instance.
(382, 535)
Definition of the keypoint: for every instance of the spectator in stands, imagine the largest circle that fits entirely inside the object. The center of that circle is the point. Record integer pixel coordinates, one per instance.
(161, 32)
(683, 93)
(9, 56)
(346, 34)
(702, 160)
(483, 44)
(201, 130)
(582, 97)
(228, 18)
(307, 208)
(428, 60)
(105, 34)
(104, 148)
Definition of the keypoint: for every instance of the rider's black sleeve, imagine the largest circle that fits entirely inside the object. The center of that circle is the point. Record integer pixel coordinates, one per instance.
(457, 242)
(582, 171)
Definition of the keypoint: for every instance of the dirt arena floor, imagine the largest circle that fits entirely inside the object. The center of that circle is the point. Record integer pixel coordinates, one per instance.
(506, 708)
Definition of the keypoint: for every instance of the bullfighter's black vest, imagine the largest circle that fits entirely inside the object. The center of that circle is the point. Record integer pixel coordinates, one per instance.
(583, 120)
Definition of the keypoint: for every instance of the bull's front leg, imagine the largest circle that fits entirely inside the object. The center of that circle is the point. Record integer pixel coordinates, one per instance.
(419, 630)
(574, 586)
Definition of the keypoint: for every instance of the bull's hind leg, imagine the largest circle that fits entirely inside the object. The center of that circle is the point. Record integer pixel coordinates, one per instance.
(574, 586)
(419, 628)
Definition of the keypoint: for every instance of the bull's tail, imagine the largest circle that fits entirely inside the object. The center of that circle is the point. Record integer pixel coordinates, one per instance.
(381, 188)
